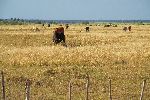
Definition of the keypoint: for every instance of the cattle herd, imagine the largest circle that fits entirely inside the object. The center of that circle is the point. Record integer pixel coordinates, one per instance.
(59, 36)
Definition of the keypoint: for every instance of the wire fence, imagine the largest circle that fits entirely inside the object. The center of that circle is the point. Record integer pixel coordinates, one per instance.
(70, 93)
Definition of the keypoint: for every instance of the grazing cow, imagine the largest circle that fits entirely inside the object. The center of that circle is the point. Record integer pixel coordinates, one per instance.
(87, 29)
(49, 25)
(129, 28)
(67, 26)
(114, 25)
(125, 29)
(107, 25)
(59, 36)
(35, 29)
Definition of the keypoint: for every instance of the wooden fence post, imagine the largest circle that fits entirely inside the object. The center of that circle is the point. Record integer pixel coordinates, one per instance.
(143, 88)
(70, 90)
(3, 86)
(87, 87)
(27, 90)
(110, 95)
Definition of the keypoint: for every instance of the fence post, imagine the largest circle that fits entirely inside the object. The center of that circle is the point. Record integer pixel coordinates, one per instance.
(143, 88)
(87, 87)
(110, 95)
(27, 89)
(3, 86)
(70, 92)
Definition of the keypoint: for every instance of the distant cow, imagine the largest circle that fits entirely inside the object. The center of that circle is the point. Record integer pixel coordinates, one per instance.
(129, 28)
(35, 29)
(58, 35)
(114, 25)
(48, 25)
(107, 25)
(125, 29)
(67, 26)
(87, 29)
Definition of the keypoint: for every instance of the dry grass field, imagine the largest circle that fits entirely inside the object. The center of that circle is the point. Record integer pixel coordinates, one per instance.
(102, 53)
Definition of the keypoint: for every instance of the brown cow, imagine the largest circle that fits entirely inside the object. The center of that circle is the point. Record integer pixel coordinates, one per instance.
(106, 25)
(125, 29)
(129, 28)
(59, 36)
(35, 29)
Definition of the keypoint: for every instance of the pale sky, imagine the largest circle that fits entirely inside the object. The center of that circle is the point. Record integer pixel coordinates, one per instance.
(76, 9)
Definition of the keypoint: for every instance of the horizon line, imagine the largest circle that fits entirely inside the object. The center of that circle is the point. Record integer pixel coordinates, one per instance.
(79, 19)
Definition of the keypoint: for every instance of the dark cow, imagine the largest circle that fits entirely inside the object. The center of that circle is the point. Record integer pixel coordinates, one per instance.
(58, 35)
(129, 28)
(114, 25)
(87, 29)
(67, 26)
(107, 25)
(125, 29)
(49, 25)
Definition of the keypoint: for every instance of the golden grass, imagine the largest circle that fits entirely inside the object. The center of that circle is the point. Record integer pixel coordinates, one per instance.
(103, 53)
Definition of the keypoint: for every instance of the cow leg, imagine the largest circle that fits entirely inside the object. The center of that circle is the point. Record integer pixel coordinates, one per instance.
(55, 39)
(64, 38)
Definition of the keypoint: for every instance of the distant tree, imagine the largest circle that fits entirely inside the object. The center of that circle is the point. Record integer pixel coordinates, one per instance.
(22, 20)
(14, 19)
(39, 22)
(53, 22)
(85, 23)
(18, 19)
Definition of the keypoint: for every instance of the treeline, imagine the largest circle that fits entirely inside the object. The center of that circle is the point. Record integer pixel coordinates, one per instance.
(12, 21)
(17, 21)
